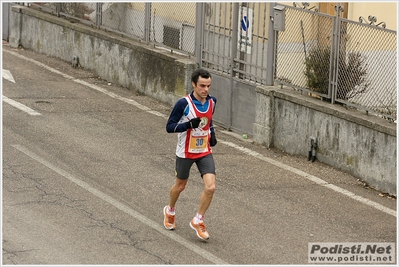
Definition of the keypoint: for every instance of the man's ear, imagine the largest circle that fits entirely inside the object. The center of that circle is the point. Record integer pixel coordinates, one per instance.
(193, 84)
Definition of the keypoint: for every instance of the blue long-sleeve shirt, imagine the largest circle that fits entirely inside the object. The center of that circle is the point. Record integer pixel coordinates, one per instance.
(181, 108)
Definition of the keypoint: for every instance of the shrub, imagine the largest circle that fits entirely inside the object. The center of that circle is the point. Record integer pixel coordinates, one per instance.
(352, 72)
(317, 69)
(352, 76)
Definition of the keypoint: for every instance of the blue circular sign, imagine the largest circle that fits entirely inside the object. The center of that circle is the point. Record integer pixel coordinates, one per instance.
(245, 23)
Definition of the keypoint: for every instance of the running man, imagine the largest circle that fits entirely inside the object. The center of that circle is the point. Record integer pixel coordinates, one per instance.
(191, 118)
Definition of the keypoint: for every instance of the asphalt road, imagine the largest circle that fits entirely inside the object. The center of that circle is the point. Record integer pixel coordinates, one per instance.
(87, 167)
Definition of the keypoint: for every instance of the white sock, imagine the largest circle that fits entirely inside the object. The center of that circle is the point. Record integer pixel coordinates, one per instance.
(171, 211)
(198, 218)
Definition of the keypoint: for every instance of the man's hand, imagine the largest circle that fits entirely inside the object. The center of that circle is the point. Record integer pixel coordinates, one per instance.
(213, 140)
(193, 123)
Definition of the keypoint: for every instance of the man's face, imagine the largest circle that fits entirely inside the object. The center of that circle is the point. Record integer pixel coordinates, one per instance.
(201, 89)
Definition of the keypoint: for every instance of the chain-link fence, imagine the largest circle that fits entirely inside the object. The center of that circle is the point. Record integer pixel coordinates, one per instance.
(367, 70)
(170, 25)
(342, 61)
(347, 62)
(303, 54)
(173, 25)
(125, 18)
(74, 12)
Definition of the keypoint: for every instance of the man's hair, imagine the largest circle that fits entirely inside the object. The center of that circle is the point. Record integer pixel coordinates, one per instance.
(200, 72)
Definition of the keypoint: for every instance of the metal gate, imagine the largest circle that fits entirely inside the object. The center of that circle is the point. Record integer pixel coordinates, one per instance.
(234, 40)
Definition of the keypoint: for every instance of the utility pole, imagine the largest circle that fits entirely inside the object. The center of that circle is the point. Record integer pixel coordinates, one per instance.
(271, 39)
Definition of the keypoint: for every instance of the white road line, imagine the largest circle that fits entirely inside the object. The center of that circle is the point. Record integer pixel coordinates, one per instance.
(20, 106)
(245, 150)
(312, 178)
(92, 86)
(154, 225)
(6, 74)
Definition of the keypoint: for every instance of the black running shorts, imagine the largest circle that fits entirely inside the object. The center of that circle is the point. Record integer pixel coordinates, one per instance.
(205, 165)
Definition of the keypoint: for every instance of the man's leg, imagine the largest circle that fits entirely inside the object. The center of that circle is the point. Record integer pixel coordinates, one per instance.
(206, 166)
(169, 211)
(175, 191)
(207, 194)
(183, 167)
(205, 200)
(183, 171)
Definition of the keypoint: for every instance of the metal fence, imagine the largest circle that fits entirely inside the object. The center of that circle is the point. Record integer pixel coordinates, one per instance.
(368, 78)
(299, 44)
(340, 61)
(169, 25)
(348, 62)
(242, 50)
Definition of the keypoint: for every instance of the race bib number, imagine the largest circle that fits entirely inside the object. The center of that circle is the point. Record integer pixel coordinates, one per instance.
(198, 142)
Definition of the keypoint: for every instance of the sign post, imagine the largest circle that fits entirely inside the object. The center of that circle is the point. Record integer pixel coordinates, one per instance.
(245, 32)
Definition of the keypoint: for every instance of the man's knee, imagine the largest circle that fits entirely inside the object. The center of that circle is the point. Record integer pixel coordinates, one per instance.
(210, 189)
(180, 185)
(209, 183)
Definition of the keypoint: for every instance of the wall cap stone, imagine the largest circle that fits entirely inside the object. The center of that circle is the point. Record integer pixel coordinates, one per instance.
(355, 116)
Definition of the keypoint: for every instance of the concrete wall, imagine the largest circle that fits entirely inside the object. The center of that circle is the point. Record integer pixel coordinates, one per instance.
(151, 71)
(362, 145)
(359, 144)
